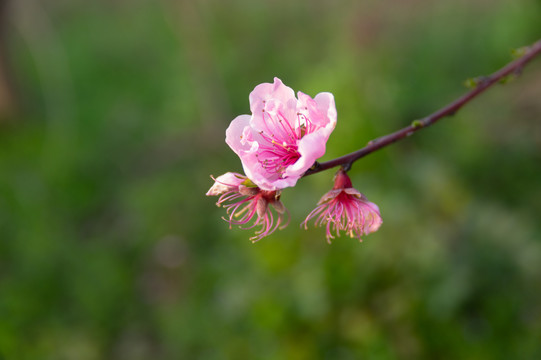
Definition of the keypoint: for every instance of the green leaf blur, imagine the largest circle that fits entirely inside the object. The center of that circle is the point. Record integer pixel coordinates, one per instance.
(110, 250)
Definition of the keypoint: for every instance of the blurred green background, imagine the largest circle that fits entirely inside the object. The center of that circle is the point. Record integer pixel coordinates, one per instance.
(113, 116)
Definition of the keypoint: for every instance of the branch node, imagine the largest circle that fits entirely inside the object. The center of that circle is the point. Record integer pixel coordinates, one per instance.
(520, 52)
(507, 79)
(479, 84)
(473, 83)
(417, 124)
(347, 166)
(374, 141)
(470, 83)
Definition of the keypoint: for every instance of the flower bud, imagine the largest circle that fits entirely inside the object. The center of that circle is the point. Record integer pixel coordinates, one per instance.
(345, 209)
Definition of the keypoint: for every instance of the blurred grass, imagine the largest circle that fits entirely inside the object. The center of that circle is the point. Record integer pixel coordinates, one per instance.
(108, 248)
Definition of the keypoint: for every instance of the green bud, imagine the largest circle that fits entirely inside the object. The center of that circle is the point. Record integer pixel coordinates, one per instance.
(417, 124)
(248, 183)
(519, 52)
(507, 79)
(471, 83)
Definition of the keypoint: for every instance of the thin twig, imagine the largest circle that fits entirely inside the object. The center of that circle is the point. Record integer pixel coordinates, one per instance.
(481, 85)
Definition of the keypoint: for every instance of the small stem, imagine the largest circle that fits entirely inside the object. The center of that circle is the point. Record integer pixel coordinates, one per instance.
(346, 167)
(512, 68)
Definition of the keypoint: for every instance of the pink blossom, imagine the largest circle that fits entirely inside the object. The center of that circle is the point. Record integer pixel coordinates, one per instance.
(284, 135)
(245, 203)
(225, 183)
(345, 209)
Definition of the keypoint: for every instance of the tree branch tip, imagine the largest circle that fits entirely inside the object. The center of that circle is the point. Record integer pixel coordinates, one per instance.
(478, 85)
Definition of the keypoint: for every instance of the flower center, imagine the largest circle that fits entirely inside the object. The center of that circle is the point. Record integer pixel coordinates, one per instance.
(276, 157)
(279, 146)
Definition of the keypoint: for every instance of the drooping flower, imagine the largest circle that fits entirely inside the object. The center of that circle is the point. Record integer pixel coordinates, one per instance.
(284, 136)
(226, 183)
(345, 209)
(246, 203)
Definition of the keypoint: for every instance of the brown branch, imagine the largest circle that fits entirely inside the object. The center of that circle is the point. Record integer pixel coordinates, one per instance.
(481, 85)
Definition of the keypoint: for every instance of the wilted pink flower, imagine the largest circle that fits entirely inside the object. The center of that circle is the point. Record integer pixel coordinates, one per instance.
(345, 209)
(226, 183)
(245, 203)
(284, 135)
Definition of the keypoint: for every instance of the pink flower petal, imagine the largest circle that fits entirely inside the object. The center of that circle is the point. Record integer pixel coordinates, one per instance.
(311, 148)
(235, 133)
(229, 181)
(327, 107)
(345, 209)
(264, 92)
(284, 136)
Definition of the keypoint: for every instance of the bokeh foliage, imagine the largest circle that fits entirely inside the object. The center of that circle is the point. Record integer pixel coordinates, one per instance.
(109, 249)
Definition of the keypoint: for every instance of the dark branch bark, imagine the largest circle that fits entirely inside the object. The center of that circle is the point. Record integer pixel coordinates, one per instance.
(481, 85)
